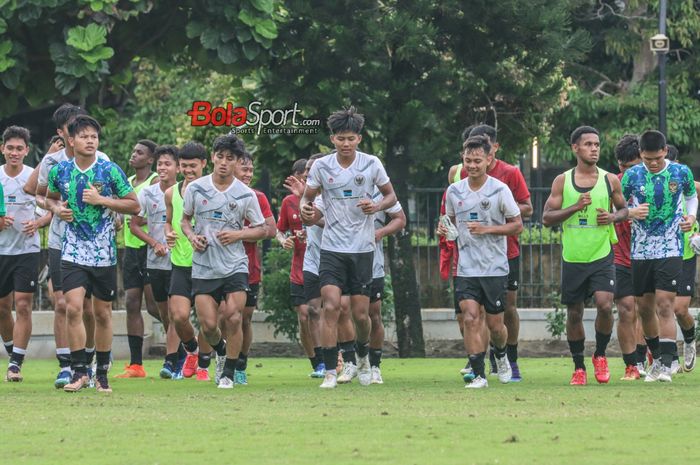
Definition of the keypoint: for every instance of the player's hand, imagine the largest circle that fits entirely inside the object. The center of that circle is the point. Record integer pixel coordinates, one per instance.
(294, 185)
(604, 217)
(171, 238)
(65, 213)
(30, 227)
(199, 243)
(307, 212)
(477, 228)
(378, 235)
(441, 230)
(367, 206)
(584, 200)
(640, 212)
(56, 145)
(91, 195)
(228, 237)
(118, 222)
(288, 243)
(7, 223)
(160, 250)
(687, 223)
(300, 235)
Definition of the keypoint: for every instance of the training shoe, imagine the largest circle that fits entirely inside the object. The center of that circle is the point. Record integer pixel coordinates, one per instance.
(319, 372)
(78, 381)
(14, 374)
(330, 380)
(650, 358)
(492, 361)
(168, 371)
(640, 369)
(478, 383)
(225, 383)
(689, 353)
(91, 376)
(102, 384)
(132, 371)
(364, 371)
(653, 372)
(467, 369)
(675, 367)
(579, 378)
(504, 370)
(63, 378)
(664, 374)
(600, 369)
(177, 375)
(189, 368)
(376, 376)
(349, 372)
(469, 376)
(202, 374)
(631, 373)
(219, 370)
(239, 377)
(515, 377)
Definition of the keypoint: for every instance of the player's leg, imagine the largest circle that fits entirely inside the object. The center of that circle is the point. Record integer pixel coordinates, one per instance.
(59, 319)
(312, 298)
(7, 323)
(346, 341)
(75, 279)
(251, 304)
(21, 333)
(179, 310)
(207, 306)
(626, 335)
(493, 292)
(235, 291)
(89, 322)
(603, 331)
(133, 289)
(359, 285)
(376, 338)
(512, 318)
(665, 277)
(686, 289)
(471, 319)
(103, 282)
(575, 286)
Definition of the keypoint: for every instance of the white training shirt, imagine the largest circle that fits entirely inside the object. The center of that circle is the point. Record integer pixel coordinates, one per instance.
(379, 222)
(21, 206)
(152, 201)
(314, 236)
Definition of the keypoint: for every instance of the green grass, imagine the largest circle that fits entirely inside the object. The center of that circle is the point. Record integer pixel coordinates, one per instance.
(422, 415)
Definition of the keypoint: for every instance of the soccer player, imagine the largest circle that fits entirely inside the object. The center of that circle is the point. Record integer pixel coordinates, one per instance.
(135, 278)
(62, 117)
(347, 179)
(192, 161)
(158, 264)
(219, 203)
(484, 212)
(244, 173)
(657, 244)
(293, 235)
(19, 249)
(84, 192)
(580, 201)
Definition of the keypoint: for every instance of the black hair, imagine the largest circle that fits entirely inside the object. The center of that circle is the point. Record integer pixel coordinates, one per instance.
(193, 150)
(581, 130)
(484, 130)
(316, 156)
(672, 153)
(347, 120)
(65, 113)
(299, 166)
(171, 150)
(627, 148)
(467, 131)
(477, 142)
(231, 143)
(652, 141)
(150, 145)
(18, 132)
(81, 122)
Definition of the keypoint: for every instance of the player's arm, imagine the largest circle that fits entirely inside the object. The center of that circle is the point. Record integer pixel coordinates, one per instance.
(199, 243)
(30, 187)
(127, 204)
(691, 205)
(269, 227)
(553, 214)
(396, 224)
(170, 234)
(452, 173)
(512, 227)
(621, 211)
(309, 213)
(525, 208)
(389, 200)
(135, 225)
(32, 226)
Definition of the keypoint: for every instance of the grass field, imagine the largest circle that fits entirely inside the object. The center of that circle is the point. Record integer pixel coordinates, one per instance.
(421, 415)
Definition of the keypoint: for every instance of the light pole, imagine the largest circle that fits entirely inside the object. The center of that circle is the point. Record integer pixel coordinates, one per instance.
(660, 45)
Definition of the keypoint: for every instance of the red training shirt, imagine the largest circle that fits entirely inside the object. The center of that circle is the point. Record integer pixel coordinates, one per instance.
(624, 244)
(290, 220)
(513, 178)
(251, 248)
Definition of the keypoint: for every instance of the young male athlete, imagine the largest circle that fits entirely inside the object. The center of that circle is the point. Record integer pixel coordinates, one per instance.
(657, 244)
(158, 264)
(219, 203)
(484, 212)
(581, 202)
(135, 278)
(244, 173)
(19, 249)
(347, 179)
(84, 192)
(192, 161)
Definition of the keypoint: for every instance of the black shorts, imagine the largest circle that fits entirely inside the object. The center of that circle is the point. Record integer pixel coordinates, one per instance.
(252, 295)
(351, 272)
(623, 282)
(219, 288)
(376, 291)
(489, 291)
(296, 291)
(663, 274)
(134, 273)
(181, 281)
(55, 269)
(19, 273)
(101, 280)
(514, 273)
(580, 280)
(686, 283)
(160, 284)
(312, 286)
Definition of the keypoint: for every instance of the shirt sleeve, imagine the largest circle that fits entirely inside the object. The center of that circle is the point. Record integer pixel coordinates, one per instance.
(188, 201)
(689, 187)
(44, 167)
(253, 213)
(520, 190)
(264, 206)
(142, 203)
(283, 221)
(52, 182)
(508, 205)
(313, 180)
(380, 176)
(449, 208)
(394, 208)
(626, 188)
(120, 184)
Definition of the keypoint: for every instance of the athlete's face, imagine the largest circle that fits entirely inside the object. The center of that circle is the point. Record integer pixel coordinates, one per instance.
(224, 163)
(244, 170)
(85, 142)
(167, 168)
(346, 143)
(655, 161)
(624, 166)
(192, 169)
(14, 150)
(587, 148)
(476, 161)
(141, 156)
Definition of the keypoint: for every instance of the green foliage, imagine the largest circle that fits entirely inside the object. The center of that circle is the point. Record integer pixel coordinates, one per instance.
(556, 320)
(275, 299)
(538, 234)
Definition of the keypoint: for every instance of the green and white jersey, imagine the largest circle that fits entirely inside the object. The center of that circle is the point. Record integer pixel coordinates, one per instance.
(20, 206)
(152, 201)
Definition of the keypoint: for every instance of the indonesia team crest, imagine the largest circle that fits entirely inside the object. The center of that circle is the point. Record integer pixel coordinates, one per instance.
(359, 180)
(232, 206)
(673, 186)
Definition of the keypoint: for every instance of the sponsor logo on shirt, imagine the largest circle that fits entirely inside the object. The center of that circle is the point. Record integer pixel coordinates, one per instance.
(347, 193)
(473, 216)
(11, 199)
(217, 215)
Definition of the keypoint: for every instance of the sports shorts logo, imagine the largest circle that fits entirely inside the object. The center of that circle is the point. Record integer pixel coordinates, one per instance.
(673, 186)
(359, 180)
(485, 204)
